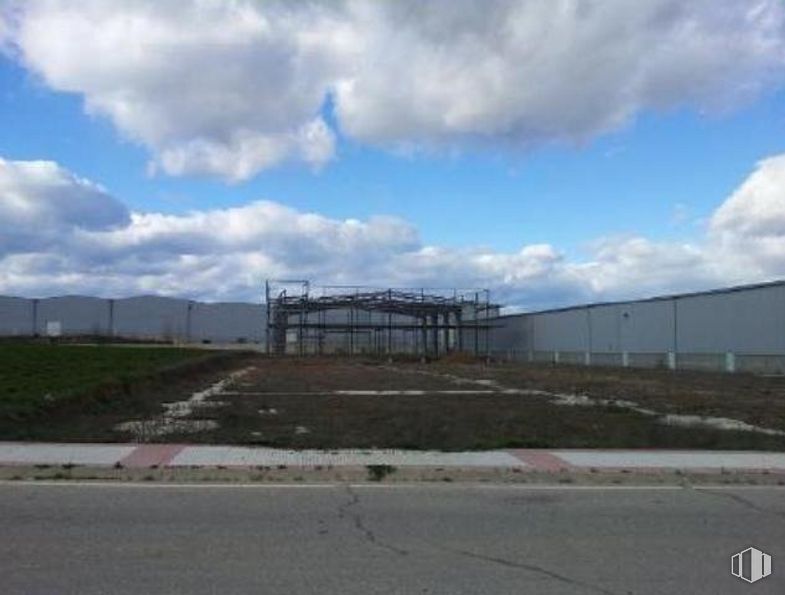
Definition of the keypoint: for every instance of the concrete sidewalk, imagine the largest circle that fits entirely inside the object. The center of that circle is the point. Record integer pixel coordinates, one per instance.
(145, 456)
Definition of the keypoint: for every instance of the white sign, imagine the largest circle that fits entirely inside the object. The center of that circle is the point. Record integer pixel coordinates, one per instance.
(750, 565)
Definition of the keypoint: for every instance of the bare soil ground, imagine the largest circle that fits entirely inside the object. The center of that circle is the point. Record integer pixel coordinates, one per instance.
(292, 403)
(315, 403)
(758, 400)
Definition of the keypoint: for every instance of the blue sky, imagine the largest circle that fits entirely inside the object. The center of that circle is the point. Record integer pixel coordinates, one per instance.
(635, 180)
(659, 172)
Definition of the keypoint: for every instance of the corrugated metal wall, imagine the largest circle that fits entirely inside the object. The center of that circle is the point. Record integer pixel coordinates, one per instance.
(149, 317)
(16, 316)
(145, 317)
(76, 315)
(735, 329)
(228, 322)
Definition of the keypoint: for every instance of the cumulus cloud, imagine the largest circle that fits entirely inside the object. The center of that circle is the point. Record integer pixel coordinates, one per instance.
(749, 227)
(229, 88)
(62, 234)
(40, 202)
(536, 71)
(224, 88)
(757, 207)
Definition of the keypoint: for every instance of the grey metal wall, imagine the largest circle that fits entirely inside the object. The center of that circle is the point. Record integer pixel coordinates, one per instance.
(77, 315)
(16, 316)
(647, 327)
(151, 317)
(144, 318)
(750, 321)
(228, 322)
(736, 329)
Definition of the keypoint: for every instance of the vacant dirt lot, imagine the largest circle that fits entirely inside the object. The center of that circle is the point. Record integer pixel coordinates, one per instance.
(334, 403)
(758, 400)
(352, 404)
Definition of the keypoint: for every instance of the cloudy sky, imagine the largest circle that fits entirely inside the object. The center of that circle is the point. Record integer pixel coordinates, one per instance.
(555, 151)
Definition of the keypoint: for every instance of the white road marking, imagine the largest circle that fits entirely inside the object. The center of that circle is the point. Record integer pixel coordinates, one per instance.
(338, 485)
(463, 486)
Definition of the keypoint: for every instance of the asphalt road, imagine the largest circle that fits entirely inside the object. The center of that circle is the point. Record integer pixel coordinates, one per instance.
(450, 539)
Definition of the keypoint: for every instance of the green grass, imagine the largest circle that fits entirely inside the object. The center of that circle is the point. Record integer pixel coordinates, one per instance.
(33, 375)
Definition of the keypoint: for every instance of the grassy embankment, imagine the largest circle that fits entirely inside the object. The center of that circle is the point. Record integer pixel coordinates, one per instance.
(76, 392)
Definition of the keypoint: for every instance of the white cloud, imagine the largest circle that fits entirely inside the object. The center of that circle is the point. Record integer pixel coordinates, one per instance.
(543, 70)
(223, 88)
(757, 207)
(247, 153)
(232, 87)
(63, 234)
(749, 227)
(40, 202)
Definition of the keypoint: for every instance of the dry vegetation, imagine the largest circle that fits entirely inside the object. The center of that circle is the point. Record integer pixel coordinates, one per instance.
(78, 392)
(293, 403)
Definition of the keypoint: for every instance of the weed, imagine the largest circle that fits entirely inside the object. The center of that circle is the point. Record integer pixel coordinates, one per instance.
(38, 376)
(379, 472)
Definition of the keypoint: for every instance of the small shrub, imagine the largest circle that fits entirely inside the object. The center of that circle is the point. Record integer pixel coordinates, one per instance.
(379, 472)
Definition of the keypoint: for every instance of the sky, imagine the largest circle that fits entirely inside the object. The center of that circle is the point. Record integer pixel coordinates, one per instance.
(553, 151)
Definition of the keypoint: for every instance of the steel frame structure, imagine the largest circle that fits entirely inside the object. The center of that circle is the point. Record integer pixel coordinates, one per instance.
(422, 321)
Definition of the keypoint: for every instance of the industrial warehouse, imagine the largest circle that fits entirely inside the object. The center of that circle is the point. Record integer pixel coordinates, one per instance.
(392, 297)
(733, 329)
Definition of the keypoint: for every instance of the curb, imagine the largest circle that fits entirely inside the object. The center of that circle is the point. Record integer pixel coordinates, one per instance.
(518, 461)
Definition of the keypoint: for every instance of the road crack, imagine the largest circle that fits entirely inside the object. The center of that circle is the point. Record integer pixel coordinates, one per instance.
(744, 502)
(349, 509)
(528, 567)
